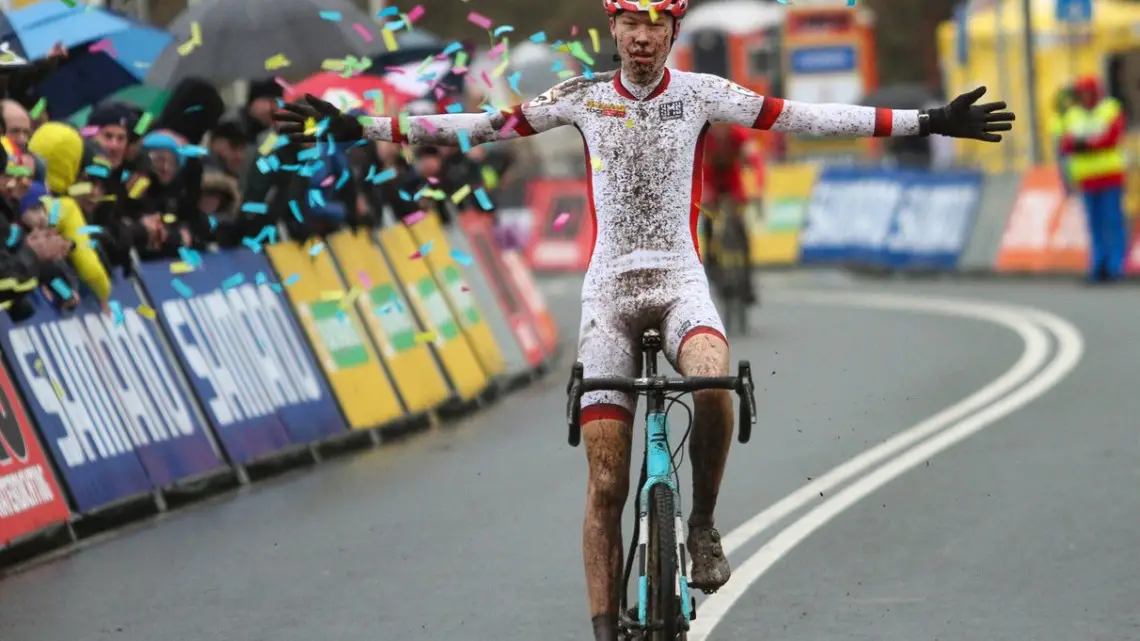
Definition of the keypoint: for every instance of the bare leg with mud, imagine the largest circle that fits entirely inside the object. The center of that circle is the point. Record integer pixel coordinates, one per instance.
(608, 444)
(707, 355)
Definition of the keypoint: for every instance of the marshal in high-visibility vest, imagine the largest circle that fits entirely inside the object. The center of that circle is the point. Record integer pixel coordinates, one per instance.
(1093, 130)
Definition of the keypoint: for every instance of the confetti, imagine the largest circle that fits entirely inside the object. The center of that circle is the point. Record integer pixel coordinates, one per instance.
(182, 288)
(414, 218)
(169, 219)
(117, 312)
(196, 33)
(144, 123)
(461, 258)
(139, 187)
(255, 208)
(233, 281)
(479, 20)
(80, 189)
(62, 288)
(538, 38)
(331, 16)
(597, 163)
(425, 337)
(629, 123)
(316, 249)
(13, 235)
(509, 126)
(364, 279)
(389, 40)
(389, 12)
(484, 199)
(292, 279)
(501, 30)
(145, 311)
(331, 295)
(186, 48)
(423, 251)
(362, 31)
(460, 194)
(594, 40)
(349, 299)
(103, 45)
(276, 62)
(416, 13)
(561, 221)
(181, 267)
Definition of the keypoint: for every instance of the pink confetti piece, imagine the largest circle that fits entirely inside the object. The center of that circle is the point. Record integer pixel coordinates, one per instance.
(103, 45)
(394, 69)
(327, 181)
(426, 124)
(285, 86)
(414, 218)
(440, 93)
(479, 20)
(432, 180)
(497, 50)
(364, 279)
(416, 13)
(464, 288)
(487, 80)
(573, 31)
(88, 131)
(363, 31)
(509, 126)
(560, 222)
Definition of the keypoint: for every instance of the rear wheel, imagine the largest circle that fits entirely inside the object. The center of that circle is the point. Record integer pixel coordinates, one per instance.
(662, 609)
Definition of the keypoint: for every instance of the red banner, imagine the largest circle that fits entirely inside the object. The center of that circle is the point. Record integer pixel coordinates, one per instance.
(30, 498)
(477, 228)
(563, 233)
(532, 297)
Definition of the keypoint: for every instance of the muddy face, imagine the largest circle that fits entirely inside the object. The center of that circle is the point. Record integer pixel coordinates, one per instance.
(643, 44)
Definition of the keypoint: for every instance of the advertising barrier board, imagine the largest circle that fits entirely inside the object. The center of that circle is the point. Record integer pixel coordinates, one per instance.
(30, 498)
(563, 233)
(108, 400)
(243, 353)
(775, 224)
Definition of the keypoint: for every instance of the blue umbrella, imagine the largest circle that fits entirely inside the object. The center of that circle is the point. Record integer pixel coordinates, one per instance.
(106, 51)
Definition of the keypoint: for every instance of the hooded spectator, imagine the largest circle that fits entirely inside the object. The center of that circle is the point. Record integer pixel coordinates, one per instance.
(76, 171)
(114, 123)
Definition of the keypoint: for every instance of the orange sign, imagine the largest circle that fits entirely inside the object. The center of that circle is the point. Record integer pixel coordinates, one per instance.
(1069, 242)
(1025, 245)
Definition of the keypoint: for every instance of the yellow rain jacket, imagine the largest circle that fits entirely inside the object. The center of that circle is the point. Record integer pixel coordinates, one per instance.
(62, 150)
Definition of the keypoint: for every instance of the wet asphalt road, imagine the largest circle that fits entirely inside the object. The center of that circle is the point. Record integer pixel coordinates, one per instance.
(1027, 530)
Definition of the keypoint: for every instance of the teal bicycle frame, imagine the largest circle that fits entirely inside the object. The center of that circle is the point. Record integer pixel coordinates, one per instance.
(657, 465)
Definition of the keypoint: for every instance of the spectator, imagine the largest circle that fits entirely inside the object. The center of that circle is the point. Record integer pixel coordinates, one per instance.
(76, 172)
(257, 116)
(324, 194)
(17, 80)
(32, 207)
(17, 122)
(229, 149)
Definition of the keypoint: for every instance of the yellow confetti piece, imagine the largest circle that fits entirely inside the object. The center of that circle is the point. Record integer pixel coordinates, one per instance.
(145, 311)
(169, 219)
(389, 40)
(269, 144)
(139, 188)
(490, 177)
(80, 189)
(278, 61)
(331, 295)
(597, 164)
(310, 126)
(652, 14)
(424, 337)
(181, 268)
(353, 294)
(460, 194)
(594, 39)
(334, 64)
(501, 68)
(629, 123)
(185, 48)
(58, 390)
(195, 33)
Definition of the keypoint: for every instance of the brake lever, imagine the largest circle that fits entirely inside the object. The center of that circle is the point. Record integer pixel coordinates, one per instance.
(574, 405)
(745, 390)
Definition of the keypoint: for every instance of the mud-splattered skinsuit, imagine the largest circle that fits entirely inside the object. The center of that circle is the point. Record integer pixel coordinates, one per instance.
(643, 155)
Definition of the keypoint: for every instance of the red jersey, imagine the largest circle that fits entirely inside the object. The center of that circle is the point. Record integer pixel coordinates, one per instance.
(726, 151)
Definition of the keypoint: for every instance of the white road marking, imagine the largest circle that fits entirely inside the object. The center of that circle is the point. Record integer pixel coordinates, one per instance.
(991, 403)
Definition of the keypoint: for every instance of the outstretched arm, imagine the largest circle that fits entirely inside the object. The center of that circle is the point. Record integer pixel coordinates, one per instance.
(729, 102)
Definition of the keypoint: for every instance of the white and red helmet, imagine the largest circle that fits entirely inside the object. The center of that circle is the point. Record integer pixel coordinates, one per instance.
(675, 8)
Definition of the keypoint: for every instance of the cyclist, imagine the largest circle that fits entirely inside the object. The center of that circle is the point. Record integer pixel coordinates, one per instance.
(643, 127)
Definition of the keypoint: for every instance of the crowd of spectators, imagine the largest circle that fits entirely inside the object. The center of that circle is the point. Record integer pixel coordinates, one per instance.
(77, 204)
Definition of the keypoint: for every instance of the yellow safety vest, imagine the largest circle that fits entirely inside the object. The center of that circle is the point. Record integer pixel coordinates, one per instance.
(1081, 123)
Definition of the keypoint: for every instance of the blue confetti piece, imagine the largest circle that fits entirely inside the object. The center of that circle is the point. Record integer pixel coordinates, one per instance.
(489, 109)
(267, 233)
(255, 208)
(296, 209)
(260, 278)
(384, 176)
(213, 222)
(117, 312)
(587, 72)
(404, 195)
(423, 251)
(292, 279)
(316, 249)
(513, 81)
(98, 170)
(557, 66)
(501, 30)
(182, 288)
(344, 178)
(392, 26)
(454, 108)
(312, 153)
(61, 287)
(191, 109)
(87, 230)
(274, 162)
(123, 176)
(233, 281)
(484, 199)
(263, 166)
(193, 151)
(461, 258)
(452, 48)
(332, 16)
(388, 12)
(13, 235)
(53, 218)
(316, 198)
(275, 287)
(539, 37)
(464, 141)
(190, 256)
(252, 244)
(398, 303)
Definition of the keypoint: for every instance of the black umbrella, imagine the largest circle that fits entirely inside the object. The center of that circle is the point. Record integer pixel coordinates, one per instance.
(901, 96)
(238, 37)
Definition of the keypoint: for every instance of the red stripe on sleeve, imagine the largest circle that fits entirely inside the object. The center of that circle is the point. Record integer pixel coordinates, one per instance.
(397, 135)
(884, 122)
(770, 110)
(523, 127)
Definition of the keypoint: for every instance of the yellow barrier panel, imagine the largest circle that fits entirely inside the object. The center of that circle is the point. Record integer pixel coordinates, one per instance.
(402, 342)
(458, 294)
(356, 374)
(455, 353)
(776, 230)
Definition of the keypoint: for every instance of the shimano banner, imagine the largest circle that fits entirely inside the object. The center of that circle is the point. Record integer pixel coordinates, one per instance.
(903, 219)
(107, 399)
(244, 353)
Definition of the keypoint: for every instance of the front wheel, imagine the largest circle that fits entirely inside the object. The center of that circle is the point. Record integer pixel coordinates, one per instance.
(662, 609)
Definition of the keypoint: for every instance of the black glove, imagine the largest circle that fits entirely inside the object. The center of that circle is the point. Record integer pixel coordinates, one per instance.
(329, 120)
(963, 119)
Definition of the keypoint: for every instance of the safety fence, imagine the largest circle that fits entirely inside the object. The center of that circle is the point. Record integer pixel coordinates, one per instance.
(866, 217)
(209, 366)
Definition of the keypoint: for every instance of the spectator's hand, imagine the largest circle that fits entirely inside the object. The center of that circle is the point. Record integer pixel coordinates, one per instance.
(57, 51)
(48, 245)
(478, 154)
(298, 116)
(155, 230)
(187, 239)
(71, 303)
